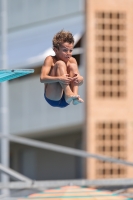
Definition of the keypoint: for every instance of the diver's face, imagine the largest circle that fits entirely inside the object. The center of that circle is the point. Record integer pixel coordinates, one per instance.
(65, 51)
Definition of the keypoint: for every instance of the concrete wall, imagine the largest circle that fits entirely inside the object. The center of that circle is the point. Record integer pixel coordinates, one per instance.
(30, 115)
(24, 13)
(41, 164)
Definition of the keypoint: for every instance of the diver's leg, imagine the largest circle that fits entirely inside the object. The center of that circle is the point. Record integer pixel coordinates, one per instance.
(73, 70)
(54, 91)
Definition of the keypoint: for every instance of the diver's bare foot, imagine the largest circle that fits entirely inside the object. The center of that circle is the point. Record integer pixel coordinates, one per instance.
(77, 101)
(71, 98)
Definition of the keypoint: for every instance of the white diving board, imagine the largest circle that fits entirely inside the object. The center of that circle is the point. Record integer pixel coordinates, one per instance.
(6, 75)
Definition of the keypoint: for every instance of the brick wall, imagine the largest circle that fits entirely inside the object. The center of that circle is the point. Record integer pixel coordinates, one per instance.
(109, 87)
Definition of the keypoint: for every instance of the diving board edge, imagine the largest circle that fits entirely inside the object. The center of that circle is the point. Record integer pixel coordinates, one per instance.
(6, 74)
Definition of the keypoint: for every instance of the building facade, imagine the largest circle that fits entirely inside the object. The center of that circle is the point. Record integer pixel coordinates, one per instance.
(109, 70)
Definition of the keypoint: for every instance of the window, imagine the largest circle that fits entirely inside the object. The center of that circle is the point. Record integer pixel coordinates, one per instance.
(111, 141)
(110, 55)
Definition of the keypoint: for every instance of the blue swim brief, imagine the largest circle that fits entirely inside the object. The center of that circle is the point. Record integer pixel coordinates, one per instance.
(61, 103)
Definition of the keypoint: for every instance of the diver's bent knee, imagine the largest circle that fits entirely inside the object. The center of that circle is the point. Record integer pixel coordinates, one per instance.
(73, 66)
(60, 63)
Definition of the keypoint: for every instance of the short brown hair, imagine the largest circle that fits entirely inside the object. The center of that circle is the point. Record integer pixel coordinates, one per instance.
(61, 37)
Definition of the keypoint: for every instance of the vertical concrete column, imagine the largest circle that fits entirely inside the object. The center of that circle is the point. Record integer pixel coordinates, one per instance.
(4, 122)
